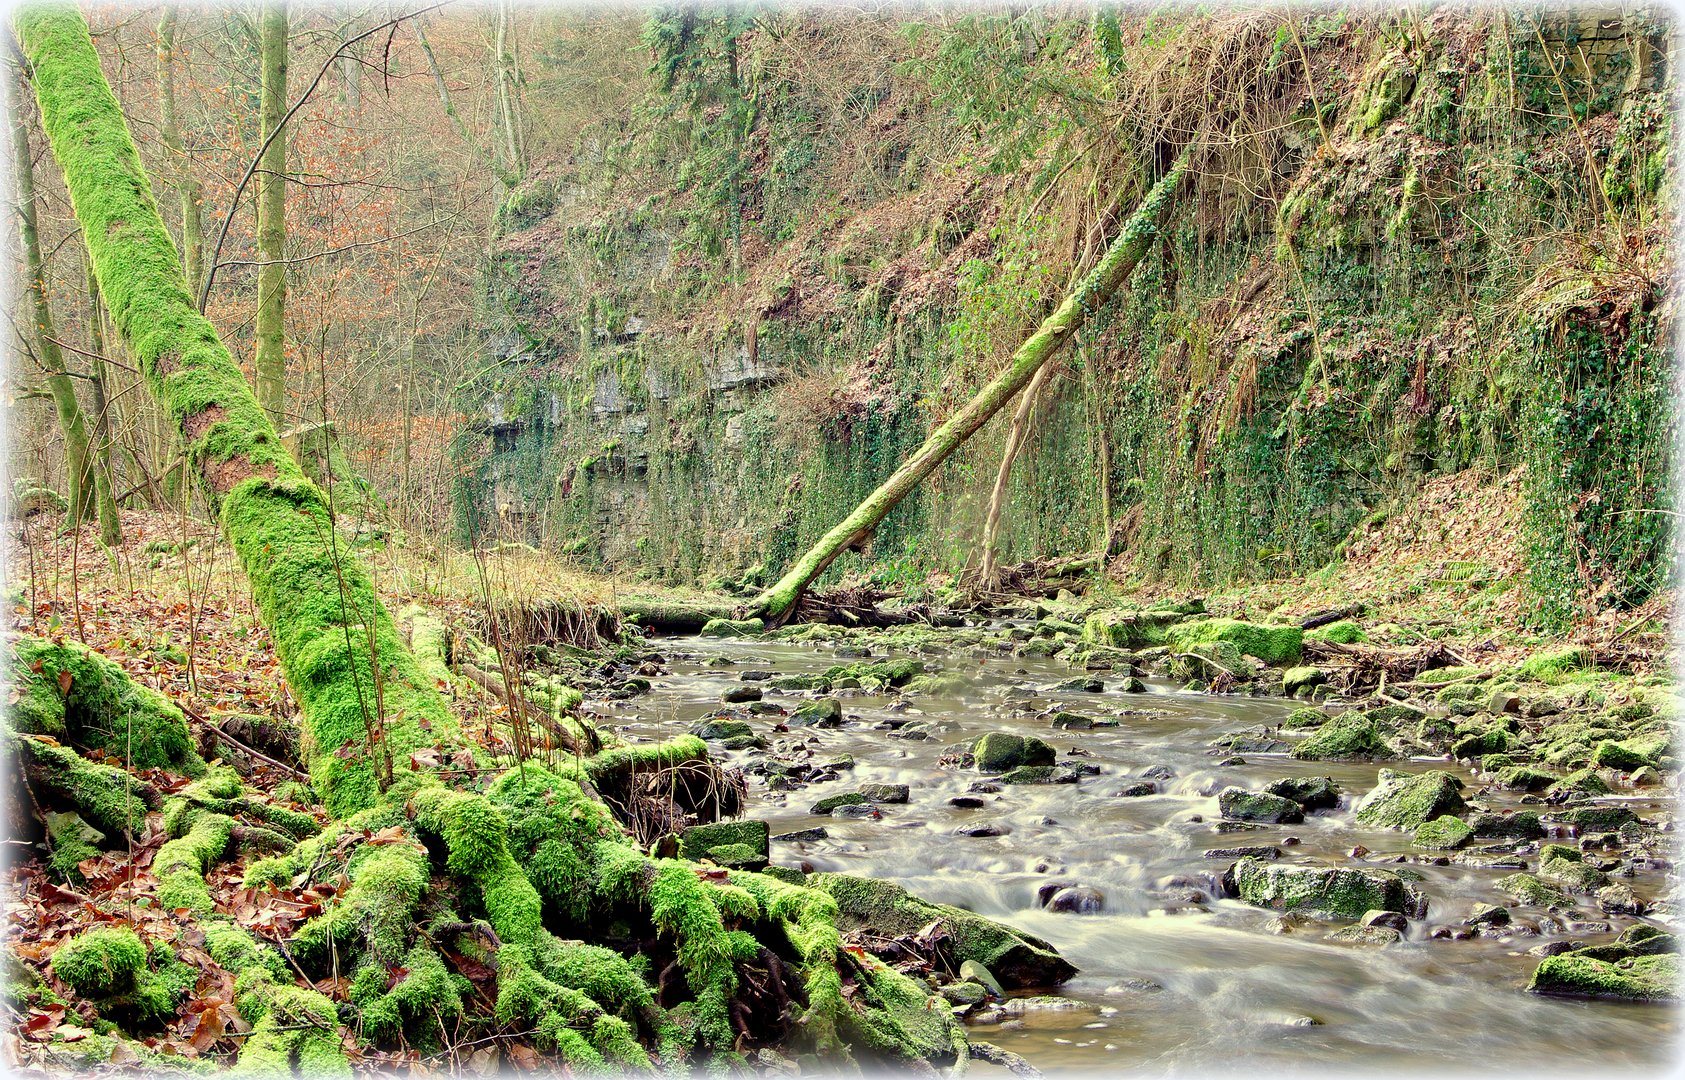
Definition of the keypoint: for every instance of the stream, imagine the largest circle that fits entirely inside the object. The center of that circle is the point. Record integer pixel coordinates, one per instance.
(1171, 982)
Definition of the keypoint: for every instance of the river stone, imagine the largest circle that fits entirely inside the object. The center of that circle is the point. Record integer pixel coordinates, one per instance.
(1619, 899)
(742, 845)
(1088, 686)
(1077, 899)
(1159, 772)
(1524, 888)
(1296, 679)
(1634, 978)
(1597, 818)
(965, 993)
(1385, 918)
(1572, 874)
(826, 712)
(1135, 791)
(1367, 935)
(1488, 915)
(1240, 805)
(1015, 959)
(1039, 774)
(1310, 792)
(720, 728)
(1443, 833)
(757, 676)
(802, 835)
(1132, 685)
(976, 973)
(799, 682)
(1243, 853)
(1000, 751)
(884, 793)
(831, 802)
(1525, 778)
(1402, 801)
(737, 695)
(1521, 825)
(1349, 735)
(966, 802)
(856, 810)
(1070, 721)
(1339, 892)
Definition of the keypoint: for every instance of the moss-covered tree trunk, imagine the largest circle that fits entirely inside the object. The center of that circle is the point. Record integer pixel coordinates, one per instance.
(184, 180)
(1051, 337)
(988, 577)
(90, 490)
(271, 359)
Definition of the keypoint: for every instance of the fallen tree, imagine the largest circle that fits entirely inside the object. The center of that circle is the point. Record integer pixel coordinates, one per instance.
(1057, 330)
(431, 868)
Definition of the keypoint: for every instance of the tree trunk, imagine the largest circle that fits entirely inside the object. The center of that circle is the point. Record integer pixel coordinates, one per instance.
(87, 489)
(110, 526)
(184, 179)
(535, 827)
(988, 578)
(271, 362)
(1055, 331)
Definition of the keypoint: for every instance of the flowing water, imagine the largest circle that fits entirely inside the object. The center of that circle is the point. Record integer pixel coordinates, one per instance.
(1170, 983)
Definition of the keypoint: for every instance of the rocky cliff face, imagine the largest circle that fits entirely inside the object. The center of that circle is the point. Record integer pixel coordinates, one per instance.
(1416, 244)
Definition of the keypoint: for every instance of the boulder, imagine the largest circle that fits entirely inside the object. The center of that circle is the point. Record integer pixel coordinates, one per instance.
(1403, 801)
(1310, 792)
(826, 712)
(1631, 978)
(884, 793)
(1367, 935)
(1077, 899)
(1000, 751)
(1338, 892)
(737, 695)
(1296, 679)
(1443, 833)
(831, 802)
(719, 728)
(1349, 735)
(1521, 825)
(1009, 957)
(1238, 804)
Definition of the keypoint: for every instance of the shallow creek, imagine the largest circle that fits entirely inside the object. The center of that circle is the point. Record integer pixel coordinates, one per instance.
(1166, 986)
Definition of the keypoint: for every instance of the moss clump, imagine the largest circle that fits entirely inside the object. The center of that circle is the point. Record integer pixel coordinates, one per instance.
(831, 802)
(111, 799)
(200, 838)
(1238, 804)
(1401, 801)
(1620, 756)
(1525, 778)
(1349, 735)
(373, 914)
(101, 963)
(1597, 818)
(707, 841)
(1524, 888)
(423, 1001)
(1129, 629)
(1492, 740)
(1585, 781)
(1271, 644)
(1443, 833)
(1343, 632)
(1298, 679)
(1556, 666)
(877, 673)
(1332, 891)
(73, 841)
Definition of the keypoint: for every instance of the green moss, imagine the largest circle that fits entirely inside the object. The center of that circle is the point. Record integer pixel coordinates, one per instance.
(700, 841)
(73, 841)
(1000, 751)
(420, 1005)
(1343, 632)
(1644, 978)
(373, 913)
(200, 838)
(101, 963)
(1401, 801)
(1620, 756)
(1349, 735)
(733, 628)
(1443, 833)
(1338, 892)
(1271, 644)
(1525, 778)
(1555, 666)
(876, 673)
(110, 799)
(1130, 629)
(76, 695)
(1524, 888)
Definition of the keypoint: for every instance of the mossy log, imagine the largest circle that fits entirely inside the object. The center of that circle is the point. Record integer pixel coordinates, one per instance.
(1055, 332)
(531, 854)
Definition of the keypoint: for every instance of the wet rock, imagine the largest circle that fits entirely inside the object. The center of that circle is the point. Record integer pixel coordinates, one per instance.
(1249, 742)
(1039, 774)
(999, 752)
(1521, 825)
(977, 973)
(826, 712)
(1488, 915)
(1525, 778)
(1243, 853)
(802, 836)
(1555, 948)
(839, 763)
(720, 728)
(884, 793)
(1571, 872)
(857, 810)
(1338, 892)
(984, 787)
(1070, 721)
(1135, 791)
(965, 993)
(1132, 685)
(1083, 685)
(966, 802)
(1443, 833)
(1634, 977)
(733, 628)
(739, 694)
(1349, 735)
(986, 830)
(1526, 889)
(1014, 958)
(1619, 899)
(1390, 919)
(1597, 818)
(1310, 792)
(1159, 772)
(799, 682)
(756, 676)
(1402, 801)
(744, 742)
(1298, 679)
(765, 708)
(831, 802)
(1238, 804)
(742, 845)
(1229, 761)
(1367, 935)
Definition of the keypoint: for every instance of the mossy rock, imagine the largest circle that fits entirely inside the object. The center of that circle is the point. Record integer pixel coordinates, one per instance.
(1493, 740)
(1310, 792)
(1619, 756)
(1297, 679)
(719, 728)
(1641, 978)
(1129, 629)
(1525, 778)
(1597, 818)
(1237, 804)
(748, 840)
(101, 963)
(1443, 833)
(730, 628)
(1338, 892)
(879, 673)
(1305, 719)
(1342, 632)
(799, 682)
(1526, 888)
(1403, 801)
(1585, 781)
(1271, 644)
(1038, 774)
(1000, 751)
(1554, 666)
(825, 713)
(1018, 960)
(1349, 735)
(1520, 825)
(831, 802)
(73, 694)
